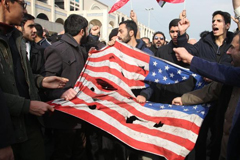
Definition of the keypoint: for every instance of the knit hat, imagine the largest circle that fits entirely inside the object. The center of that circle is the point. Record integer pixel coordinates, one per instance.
(113, 33)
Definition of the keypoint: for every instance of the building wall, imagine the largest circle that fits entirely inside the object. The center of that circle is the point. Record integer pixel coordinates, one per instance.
(94, 11)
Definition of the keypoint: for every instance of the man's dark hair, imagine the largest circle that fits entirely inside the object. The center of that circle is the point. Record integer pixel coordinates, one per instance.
(74, 24)
(226, 16)
(39, 30)
(174, 23)
(26, 17)
(158, 32)
(130, 25)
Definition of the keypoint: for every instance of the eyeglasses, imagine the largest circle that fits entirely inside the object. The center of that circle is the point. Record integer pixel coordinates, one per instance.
(156, 38)
(23, 4)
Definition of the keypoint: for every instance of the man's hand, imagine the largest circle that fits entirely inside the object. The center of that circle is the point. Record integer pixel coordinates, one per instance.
(177, 101)
(133, 16)
(236, 21)
(69, 94)
(6, 153)
(95, 30)
(54, 82)
(183, 25)
(183, 55)
(111, 43)
(38, 108)
(141, 99)
(183, 14)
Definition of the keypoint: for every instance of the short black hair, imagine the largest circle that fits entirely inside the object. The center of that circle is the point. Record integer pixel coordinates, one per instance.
(158, 32)
(226, 16)
(39, 30)
(130, 25)
(74, 24)
(26, 17)
(174, 23)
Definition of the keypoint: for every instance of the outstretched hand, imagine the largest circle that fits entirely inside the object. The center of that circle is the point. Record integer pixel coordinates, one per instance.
(54, 82)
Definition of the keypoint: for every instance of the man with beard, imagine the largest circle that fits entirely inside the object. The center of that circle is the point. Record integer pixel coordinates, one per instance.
(211, 47)
(158, 40)
(127, 33)
(66, 58)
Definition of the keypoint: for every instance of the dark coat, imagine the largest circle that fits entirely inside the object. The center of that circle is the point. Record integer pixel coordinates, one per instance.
(36, 58)
(18, 106)
(166, 93)
(64, 58)
(230, 76)
(206, 48)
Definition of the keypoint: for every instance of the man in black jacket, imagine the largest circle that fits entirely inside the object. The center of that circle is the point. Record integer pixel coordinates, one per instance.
(166, 93)
(67, 58)
(34, 51)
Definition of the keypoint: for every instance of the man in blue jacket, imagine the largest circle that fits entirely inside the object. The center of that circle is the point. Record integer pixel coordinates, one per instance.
(224, 74)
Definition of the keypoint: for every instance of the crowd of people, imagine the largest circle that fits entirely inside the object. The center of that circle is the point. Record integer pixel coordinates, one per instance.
(36, 67)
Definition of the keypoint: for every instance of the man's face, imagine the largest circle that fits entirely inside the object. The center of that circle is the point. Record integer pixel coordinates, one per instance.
(174, 33)
(158, 40)
(15, 12)
(29, 30)
(218, 25)
(123, 34)
(234, 51)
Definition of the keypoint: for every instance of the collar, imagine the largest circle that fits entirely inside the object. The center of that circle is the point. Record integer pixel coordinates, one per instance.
(5, 28)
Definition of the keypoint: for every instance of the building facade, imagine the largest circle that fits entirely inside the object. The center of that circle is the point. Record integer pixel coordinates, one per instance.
(51, 14)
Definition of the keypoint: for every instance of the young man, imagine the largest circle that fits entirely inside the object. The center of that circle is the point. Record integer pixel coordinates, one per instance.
(166, 93)
(211, 47)
(34, 51)
(227, 75)
(18, 85)
(67, 58)
(127, 33)
(158, 40)
(39, 39)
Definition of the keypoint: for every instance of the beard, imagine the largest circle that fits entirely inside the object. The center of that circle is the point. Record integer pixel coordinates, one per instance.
(126, 39)
(84, 39)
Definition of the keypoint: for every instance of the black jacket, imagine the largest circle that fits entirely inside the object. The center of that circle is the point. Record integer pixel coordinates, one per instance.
(206, 48)
(166, 93)
(36, 58)
(64, 58)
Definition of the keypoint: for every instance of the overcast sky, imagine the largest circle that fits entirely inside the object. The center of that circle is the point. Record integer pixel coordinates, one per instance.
(198, 12)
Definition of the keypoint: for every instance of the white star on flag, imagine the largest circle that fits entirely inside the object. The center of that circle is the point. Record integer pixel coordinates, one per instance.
(155, 63)
(164, 78)
(171, 75)
(153, 74)
(179, 71)
(166, 67)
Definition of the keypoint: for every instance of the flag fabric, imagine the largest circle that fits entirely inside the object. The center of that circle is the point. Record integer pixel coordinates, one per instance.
(118, 5)
(162, 2)
(105, 100)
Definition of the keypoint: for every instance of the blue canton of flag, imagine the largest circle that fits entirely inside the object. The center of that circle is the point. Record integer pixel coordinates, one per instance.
(161, 71)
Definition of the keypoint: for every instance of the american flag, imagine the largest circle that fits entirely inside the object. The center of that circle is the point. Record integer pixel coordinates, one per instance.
(105, 100)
